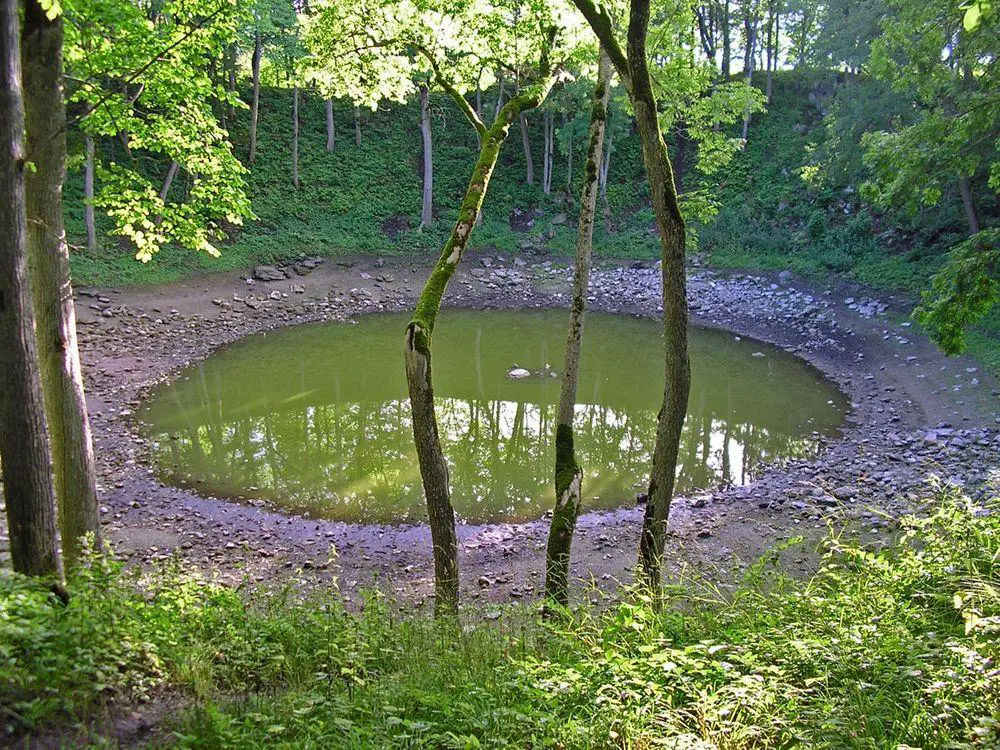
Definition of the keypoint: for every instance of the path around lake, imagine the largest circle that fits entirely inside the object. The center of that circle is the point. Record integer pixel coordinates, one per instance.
(914, 412)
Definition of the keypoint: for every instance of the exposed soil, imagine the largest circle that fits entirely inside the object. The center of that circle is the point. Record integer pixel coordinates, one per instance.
(913, 412)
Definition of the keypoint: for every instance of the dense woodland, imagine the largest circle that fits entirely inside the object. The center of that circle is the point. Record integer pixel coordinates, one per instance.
(847, 142)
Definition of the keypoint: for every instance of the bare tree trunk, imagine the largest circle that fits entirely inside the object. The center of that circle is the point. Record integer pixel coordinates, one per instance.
(24, 448)
(295, 135)
(427, 208)
(417, 351)
(727, 42)
(550, 151)
(772, 38)
(750, 28)
(232, 77)
(568, 473)
(969, 204)
(258, 51)
(331, 131)
(499, 104)
(52, 293)
(168, 180)
(569, 156)
(528, 161)
(357, 126)
(88, 195)
(633, 68)
(602, 180)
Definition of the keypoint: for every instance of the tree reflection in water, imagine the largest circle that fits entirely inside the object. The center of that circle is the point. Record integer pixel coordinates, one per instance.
(316, 420)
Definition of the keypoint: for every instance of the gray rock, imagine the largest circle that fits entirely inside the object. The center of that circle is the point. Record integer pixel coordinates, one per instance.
(268, 273)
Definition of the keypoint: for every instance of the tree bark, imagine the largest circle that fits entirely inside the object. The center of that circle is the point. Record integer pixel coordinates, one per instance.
(602, 179)
(24, 448)
(569, 156)
(568, 473)
(168, 180)
(427, 207)
(258, 51)
(52, 294)
(417, 347)
(295, 135)
(357, 126)
(331, 130)
(529, 163)
(633, 69)
(727, 42)
(88, 194)
(772, 44)
(971, 214)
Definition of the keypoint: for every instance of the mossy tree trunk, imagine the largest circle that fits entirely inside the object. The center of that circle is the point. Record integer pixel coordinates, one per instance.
(420, 330)
(632, 67)
(52, 293)
(24, 447)
(568, 473)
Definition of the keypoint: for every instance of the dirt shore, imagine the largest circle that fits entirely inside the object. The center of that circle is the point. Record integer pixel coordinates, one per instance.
(913, 412)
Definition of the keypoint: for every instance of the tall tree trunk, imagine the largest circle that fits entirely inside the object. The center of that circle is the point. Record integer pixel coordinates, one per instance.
(969, 205)
(357, 126)
(88, 194)
(417, 351)
(295, 135)
(499, 104)
(24, 447)
(568, 473)
(427, 207)
(750, 29)
(602, 181)
(772, 38)
(331, 130)
(633, 69)
(529, 163)
(258, 51)
(569, 156)
(168, 180)
(231, 60)
(727, 42)
(52, 293)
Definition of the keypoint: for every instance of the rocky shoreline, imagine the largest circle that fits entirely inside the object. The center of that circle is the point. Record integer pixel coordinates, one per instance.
(914, 413)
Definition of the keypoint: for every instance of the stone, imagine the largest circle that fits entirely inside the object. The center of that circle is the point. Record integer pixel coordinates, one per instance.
(559, 219)
(844, 493)
(517, 373)
(268, 273)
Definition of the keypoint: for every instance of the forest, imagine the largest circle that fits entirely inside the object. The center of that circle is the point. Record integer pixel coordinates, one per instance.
(500, 373)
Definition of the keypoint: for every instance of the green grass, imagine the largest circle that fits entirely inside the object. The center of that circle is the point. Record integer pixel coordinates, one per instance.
(881, 649)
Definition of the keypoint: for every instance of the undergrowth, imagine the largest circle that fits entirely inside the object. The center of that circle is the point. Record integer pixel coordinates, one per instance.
(893, 648)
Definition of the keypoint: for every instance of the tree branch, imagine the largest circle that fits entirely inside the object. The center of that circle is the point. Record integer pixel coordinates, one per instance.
(454, 93)
(603, 26)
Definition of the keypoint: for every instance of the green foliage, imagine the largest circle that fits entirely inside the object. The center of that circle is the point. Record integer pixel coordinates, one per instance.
(880, 649)
(963, 291)
(141, 76)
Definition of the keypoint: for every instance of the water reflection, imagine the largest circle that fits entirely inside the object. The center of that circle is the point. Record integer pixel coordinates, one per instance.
(316, 418)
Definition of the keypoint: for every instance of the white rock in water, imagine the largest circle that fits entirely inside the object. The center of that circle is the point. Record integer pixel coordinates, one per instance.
(519, 372)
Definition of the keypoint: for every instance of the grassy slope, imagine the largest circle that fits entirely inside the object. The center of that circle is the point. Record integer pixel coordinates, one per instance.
(886, 649)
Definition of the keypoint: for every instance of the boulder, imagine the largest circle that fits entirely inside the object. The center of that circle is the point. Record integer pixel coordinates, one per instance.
(268, 273)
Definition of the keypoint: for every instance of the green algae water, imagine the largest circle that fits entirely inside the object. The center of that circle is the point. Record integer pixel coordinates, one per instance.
(316, 418)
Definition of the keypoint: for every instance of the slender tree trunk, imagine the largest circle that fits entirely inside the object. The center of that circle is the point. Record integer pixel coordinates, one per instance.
(969, 204)
(750, 28)
(417, 351)
(528, 161)
(24, 448)
(772, 37)
(427, 208)
(568, 473)
(88, 194)
(52, 293)
(569, 156)
(605, 167)
(727, 42)
(357, 126)
(633, 68)
(331, 130)
(499, 104)
(258, 51)
(232, 77)
(295, 135)
(168, 180)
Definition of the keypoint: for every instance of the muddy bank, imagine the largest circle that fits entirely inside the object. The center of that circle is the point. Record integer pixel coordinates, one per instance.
(913, 412)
